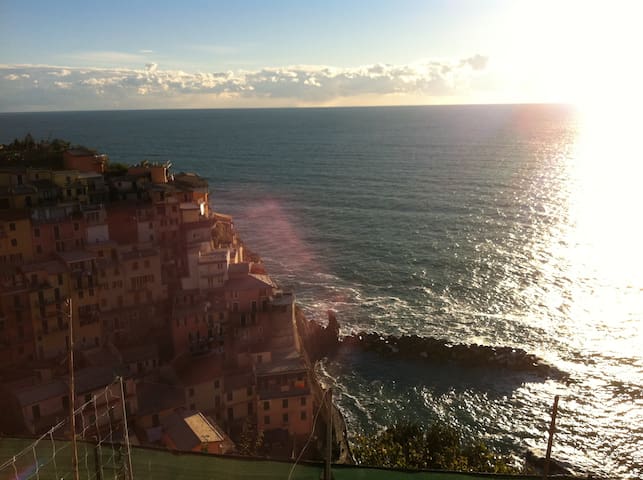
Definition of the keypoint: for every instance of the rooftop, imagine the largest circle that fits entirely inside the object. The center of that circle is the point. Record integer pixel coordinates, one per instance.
(36, 393)
(92, 378)
(290, 362)
(190, 429)
(76, 256)
(250, 282)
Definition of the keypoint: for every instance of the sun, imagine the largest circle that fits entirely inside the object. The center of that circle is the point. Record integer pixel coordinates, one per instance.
(584, 53)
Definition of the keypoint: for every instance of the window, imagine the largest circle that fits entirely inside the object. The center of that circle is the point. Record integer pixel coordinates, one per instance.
(155, 420)
(229, 397)
(266, 405)
(12, 227)
(230, 414)
(76, 227)
(249, 391)
(302, 415)
(285, 417)
(216, 384)
(250, 409)
(284, 403)
(35, 410)
(266, 420)
(192, 406)
(302, 401)
(36, 232)
(14, 242)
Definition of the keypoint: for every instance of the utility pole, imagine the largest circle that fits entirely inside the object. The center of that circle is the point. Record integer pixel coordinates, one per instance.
(552, 429)
(72, 392)
(130, 472)
(329, 435)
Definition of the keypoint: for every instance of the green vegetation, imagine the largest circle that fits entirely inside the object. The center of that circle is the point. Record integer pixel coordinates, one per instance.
(438, 446)
(117, 169)
(251, 441)
(27, 152)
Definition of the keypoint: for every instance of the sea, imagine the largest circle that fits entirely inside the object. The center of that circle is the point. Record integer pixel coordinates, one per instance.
(508, 225)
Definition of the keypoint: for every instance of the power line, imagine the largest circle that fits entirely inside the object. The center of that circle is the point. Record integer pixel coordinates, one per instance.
(312, 433)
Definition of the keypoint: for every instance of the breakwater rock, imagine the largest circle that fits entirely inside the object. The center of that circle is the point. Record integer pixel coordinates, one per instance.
(429, 349)
(325, 341)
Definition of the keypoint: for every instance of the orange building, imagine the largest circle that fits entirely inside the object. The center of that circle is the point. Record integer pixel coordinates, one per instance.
(85, 160)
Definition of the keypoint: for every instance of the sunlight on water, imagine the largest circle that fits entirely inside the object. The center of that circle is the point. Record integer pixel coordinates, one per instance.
(603, 239)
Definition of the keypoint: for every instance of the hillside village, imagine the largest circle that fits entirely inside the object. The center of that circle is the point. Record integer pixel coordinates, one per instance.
(163, 293)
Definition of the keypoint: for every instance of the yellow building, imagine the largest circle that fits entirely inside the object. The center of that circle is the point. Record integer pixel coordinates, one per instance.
(15, 237)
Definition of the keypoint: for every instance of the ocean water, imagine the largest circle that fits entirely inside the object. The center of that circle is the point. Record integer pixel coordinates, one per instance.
(499, 225)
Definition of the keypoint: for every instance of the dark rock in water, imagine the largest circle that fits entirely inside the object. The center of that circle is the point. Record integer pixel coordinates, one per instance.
(556, 467)
(324, 341)
(319, 341)
(430, 349)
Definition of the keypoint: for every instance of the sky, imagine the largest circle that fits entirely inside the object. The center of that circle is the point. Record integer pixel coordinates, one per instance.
(79, 55)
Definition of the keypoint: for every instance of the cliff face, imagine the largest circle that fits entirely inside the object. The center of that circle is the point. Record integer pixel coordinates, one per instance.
(319, 341)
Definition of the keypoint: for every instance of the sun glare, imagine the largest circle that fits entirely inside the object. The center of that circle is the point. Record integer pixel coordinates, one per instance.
(576, 52)
(605, 195)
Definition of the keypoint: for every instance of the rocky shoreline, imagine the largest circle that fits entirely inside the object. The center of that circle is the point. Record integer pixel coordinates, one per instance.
(325, 342)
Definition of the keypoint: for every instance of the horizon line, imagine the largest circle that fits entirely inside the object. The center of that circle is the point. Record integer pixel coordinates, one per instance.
(305, 107)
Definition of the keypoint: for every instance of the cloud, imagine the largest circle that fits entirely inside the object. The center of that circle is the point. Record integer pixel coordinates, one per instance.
(477, 62)
(12, 76)
(154, 87)
(60, 73)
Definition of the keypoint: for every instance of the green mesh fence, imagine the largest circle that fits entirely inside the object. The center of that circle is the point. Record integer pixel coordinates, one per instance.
(51, 459)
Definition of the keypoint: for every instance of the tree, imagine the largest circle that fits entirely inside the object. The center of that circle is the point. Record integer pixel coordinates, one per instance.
(251, 440)
(438, 446)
